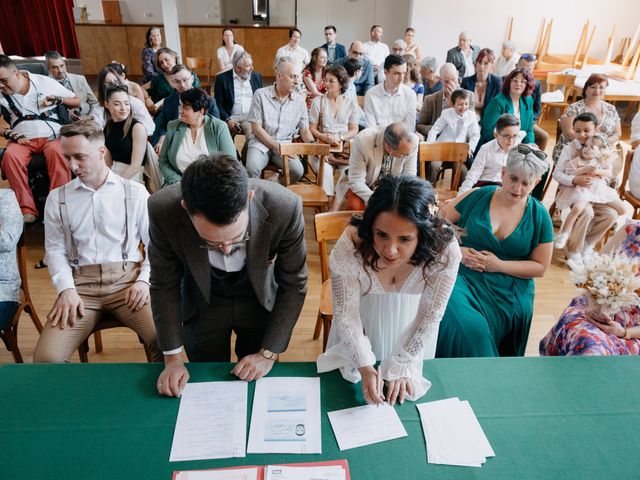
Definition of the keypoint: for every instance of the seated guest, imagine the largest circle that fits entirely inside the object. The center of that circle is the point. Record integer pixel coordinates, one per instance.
(108, 76)
(24, 93)
(152, 44)
(507, 60)
(333, 118)
(234, 91)
(277, 112)
(413, 47)
(399, 47)
(376, 52)
(413, 81)
(583, 330)
(298, 55)
(413, 255)
(463, 56)
(376, 153)
(540, 136)
(335, 51)
(313, 75)
(492, 157)
(124, 137)
(183, 80)
(353, 67)
(366, 79)
(227, 254)
(429, 74)
(92, 249)
(193, 134)
(11, 226)
(597, 218)
(456, 124)
(227, 51)
(434, 104)
(162, 85)
(391, 101)
(514, 98)
(78, 84)
(634, 172)
(507, 242)
(120, 71)
(483, 84)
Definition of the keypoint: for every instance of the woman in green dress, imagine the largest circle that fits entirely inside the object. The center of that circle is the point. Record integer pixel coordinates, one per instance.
(507, 241)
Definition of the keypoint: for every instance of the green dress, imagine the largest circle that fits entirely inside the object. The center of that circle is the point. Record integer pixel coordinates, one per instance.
(489, 314)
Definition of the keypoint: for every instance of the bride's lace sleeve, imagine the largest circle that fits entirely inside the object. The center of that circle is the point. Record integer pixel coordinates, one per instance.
(406, 360)
(345, 270)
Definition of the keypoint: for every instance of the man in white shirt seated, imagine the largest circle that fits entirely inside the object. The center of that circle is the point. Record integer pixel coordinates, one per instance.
(293, 50)
(375, 153)
(277, 112)
(392, 100)
(78, 84)
(93, 229)
(376, 51)
(29, 103)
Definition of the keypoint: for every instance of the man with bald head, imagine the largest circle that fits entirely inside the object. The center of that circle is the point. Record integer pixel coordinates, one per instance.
(464, 55)
(365, 82)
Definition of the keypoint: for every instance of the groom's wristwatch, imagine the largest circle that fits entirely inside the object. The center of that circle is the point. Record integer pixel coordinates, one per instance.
(269, 355)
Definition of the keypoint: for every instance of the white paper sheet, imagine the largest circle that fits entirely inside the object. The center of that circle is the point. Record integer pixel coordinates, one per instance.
(250, 473)
(328, 472)
(453, 434)
(212, 421)
(358, 426)
(285, 417)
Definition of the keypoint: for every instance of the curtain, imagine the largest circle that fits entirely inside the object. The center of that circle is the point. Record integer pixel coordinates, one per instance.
(32, 27)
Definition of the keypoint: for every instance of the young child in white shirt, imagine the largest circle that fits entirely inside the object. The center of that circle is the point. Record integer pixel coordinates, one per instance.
(492, 156)
(458, 123)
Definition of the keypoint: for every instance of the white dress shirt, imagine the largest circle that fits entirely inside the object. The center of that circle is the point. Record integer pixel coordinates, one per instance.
(242, 95)
(234, 262)
(487, 166)
(376, 52)
(452, 127)
(97, 223)
(383, 108)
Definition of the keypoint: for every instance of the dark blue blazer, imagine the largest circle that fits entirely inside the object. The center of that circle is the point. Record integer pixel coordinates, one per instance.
(170, 112)
(494, 85)
(225, 94)
(341, 51)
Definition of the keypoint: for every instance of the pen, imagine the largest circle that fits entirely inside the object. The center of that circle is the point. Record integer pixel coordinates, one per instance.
(378, 385)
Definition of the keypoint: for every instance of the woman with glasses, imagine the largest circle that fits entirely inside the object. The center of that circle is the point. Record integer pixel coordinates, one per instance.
(124, 137)
(193, 134)
(506, 242)
(484, 84)
(392, 272)
(592, 101)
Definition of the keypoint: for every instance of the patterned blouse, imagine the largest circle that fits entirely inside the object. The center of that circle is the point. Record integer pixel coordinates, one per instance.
(10, 230)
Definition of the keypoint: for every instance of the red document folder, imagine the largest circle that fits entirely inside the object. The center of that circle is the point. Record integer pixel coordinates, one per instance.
(261, 469)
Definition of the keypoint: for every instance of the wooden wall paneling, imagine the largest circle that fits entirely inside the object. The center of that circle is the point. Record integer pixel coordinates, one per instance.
(262, 44)
(183, 44)
(100, 44)
(203, 42)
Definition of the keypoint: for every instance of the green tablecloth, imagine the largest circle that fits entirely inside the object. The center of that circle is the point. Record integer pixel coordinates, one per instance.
(551, 418)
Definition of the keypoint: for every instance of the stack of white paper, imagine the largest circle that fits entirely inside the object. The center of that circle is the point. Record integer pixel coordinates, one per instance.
(358, 426)
(286, 416)
(319, 472)
(212, 421)
(453, 434)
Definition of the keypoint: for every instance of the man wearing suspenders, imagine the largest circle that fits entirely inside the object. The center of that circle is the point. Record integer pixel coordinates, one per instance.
(93, 228)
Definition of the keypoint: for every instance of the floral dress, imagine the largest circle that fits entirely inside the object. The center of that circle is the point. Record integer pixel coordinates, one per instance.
(573, 335)
(322, 88)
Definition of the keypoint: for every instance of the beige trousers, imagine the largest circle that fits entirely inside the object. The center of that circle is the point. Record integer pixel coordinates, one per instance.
(591, 226)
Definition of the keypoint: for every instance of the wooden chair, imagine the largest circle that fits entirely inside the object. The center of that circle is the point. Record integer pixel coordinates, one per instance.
(328, 226)
(10, 334)
(108, 321)
(202, 66)
(312, 195)
(444, 152)
(554, 82)
(626, 194)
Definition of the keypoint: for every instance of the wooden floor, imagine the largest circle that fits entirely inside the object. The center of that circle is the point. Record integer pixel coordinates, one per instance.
(553, 293)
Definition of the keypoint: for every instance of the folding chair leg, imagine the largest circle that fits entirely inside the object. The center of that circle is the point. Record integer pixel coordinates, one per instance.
(326, 327)
(318, 327)
(97, 338)
(9, 336)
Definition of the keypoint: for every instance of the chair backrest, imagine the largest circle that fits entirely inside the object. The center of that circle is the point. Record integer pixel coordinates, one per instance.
(200, 65)
(560, 81)
(329, 226)
(321, 150)
(625, 173)
(443, 152)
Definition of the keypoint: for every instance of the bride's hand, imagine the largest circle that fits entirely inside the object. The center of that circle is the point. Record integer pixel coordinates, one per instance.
(398, 389)
(371, 385)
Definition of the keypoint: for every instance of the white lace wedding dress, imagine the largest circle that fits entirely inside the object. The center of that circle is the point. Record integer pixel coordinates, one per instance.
(398, 328)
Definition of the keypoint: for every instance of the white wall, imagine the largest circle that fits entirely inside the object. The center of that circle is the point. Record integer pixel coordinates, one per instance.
(438, 24)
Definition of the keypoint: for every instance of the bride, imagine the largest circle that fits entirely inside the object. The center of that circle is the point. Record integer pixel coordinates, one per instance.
(392, 272)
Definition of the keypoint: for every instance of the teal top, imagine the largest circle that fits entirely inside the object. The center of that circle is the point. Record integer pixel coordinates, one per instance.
(499, 105)
(499, 305)
(216, 135)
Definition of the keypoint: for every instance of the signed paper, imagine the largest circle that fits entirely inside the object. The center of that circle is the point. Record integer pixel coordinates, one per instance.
(358, 426)
(212, 421)
(249, 473)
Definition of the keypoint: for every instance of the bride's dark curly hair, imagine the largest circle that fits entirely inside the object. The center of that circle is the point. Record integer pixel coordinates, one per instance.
(411, 198)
